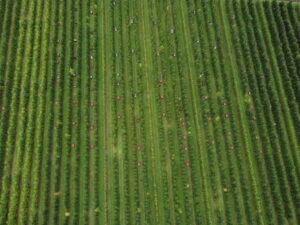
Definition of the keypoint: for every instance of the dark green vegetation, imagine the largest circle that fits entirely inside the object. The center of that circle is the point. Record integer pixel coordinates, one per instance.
(133, 112)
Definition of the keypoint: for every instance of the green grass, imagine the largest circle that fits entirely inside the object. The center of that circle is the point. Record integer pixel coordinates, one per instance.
(208, 89)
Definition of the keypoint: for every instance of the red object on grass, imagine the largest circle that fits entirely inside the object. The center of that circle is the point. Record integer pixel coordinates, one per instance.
(186, 148)
(161, 81)
(139, 164)
(162, 97)
(92, 146)
(231, 148)
(163, 114)
(55, 102)
(184, 137)
(227, 115)
(187, 164)
(139, 148)
(183, 123)
(118, 98)
(73, 123)
(72, 145)
(119, 117)
(229, 133)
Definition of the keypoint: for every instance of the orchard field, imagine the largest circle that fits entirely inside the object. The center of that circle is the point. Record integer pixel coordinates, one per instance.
(149, 112)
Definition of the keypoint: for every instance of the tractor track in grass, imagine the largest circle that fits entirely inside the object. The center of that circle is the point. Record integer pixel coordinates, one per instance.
(128, 114)
(108, 146)
(130, 119)
(93, 145)
(66, 139)
(156, 166)
(84, 119)
(74, 182)
(101, 112)
(119, 142)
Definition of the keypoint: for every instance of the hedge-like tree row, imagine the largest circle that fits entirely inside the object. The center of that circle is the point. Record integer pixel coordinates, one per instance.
(45, 191)
(58, 64)
(9, 146)
(271, 130)
(286, 141)
(7, 69)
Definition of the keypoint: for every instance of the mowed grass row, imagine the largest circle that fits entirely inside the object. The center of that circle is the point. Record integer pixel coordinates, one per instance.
(149, 112)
